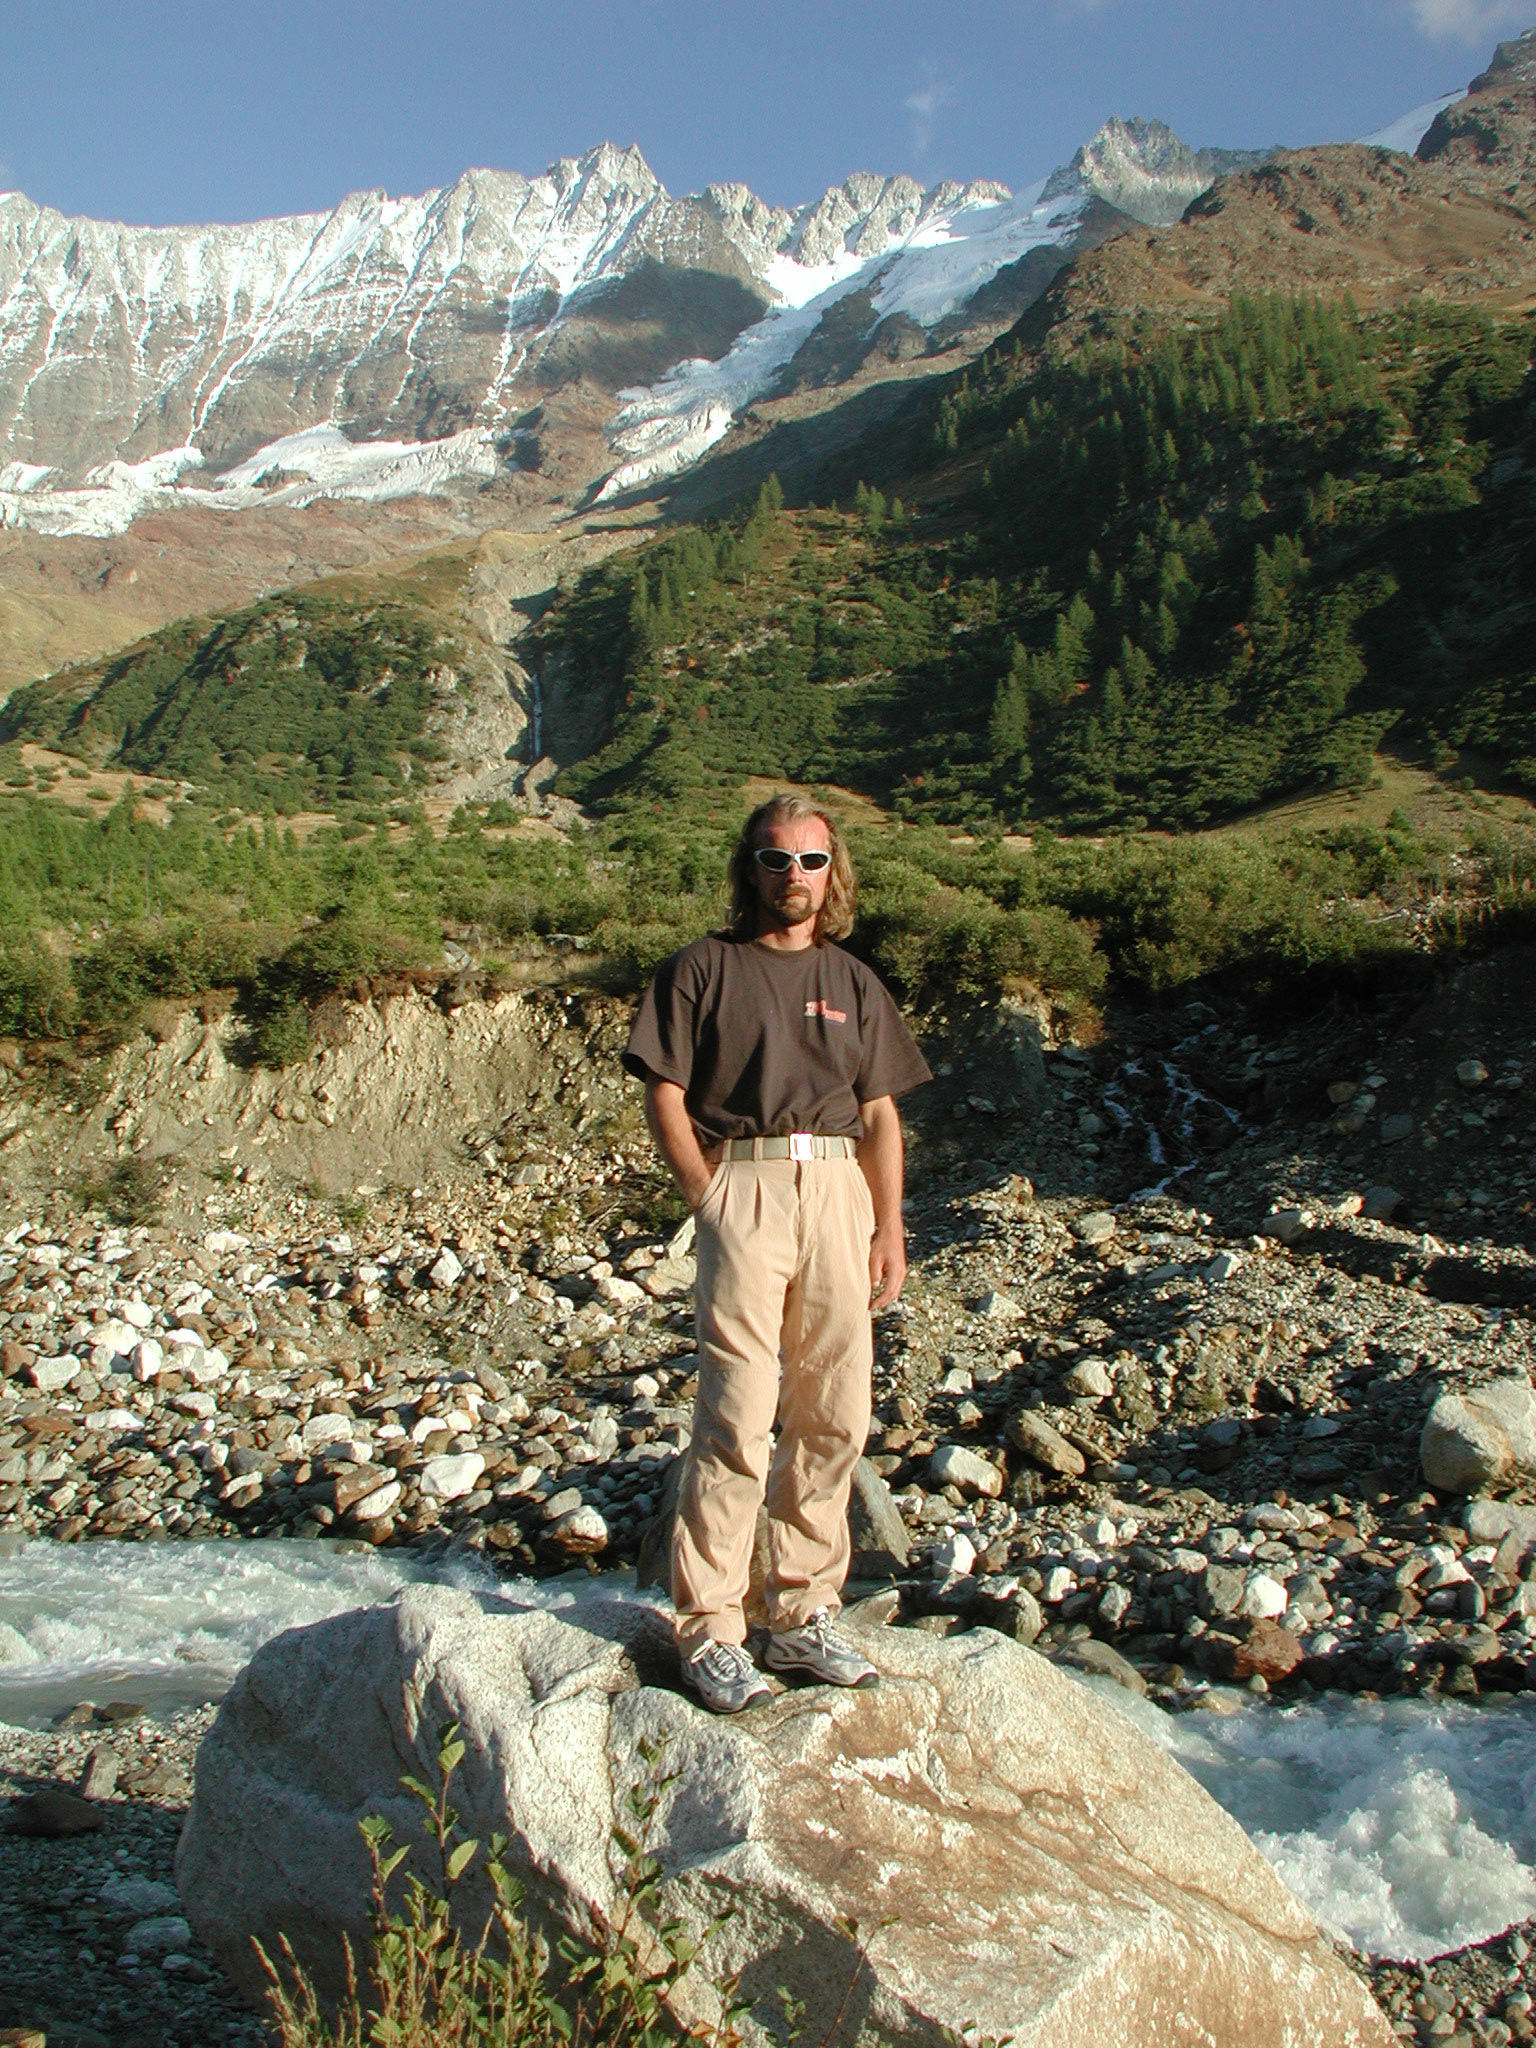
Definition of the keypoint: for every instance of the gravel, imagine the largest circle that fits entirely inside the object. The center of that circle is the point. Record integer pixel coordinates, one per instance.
(92, 1946)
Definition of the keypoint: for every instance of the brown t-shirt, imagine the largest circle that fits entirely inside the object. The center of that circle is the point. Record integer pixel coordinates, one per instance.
(764, 1041)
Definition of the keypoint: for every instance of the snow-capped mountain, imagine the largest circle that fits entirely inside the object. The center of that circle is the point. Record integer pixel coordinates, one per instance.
(396, 346)
(233, 362)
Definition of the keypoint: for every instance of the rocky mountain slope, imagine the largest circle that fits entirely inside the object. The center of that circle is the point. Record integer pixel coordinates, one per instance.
(1456, 220)
(1143, 169)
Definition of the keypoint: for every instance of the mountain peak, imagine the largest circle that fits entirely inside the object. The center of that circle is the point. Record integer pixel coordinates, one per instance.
(1142, 168)
(1518, 54)
(608, 164)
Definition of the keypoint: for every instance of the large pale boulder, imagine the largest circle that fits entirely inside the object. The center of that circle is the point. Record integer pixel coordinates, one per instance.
(1483, 1441)
(1047, 1872)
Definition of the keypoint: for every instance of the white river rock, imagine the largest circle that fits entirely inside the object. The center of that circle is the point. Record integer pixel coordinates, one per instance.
(451, 1476)
(1483, 1440)
(1048, 1872)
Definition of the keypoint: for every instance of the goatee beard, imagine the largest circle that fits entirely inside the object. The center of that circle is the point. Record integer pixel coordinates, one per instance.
(793, 907)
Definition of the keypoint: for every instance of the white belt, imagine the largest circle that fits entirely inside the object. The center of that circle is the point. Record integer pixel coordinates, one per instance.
(797, 1145)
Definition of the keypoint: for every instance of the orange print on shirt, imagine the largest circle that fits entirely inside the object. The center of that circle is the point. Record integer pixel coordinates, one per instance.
(818, 1006)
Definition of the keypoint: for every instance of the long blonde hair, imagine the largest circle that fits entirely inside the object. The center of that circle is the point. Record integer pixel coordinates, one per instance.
(835, 918)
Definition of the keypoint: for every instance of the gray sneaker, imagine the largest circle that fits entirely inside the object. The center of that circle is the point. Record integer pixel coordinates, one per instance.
(817, 1651)
(725, 1678)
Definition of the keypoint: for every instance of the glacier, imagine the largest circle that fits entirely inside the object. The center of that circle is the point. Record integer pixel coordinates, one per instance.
(929, 274)
(1409, 130)
(319, 462)
(935, 269)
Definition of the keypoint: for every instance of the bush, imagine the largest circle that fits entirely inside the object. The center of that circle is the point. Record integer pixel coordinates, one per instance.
(282, 1038)
(37, 994)
(429, 1985)
(341, 953)
(347, 946)
(129, 1192)
(962, 942)
(298, 699)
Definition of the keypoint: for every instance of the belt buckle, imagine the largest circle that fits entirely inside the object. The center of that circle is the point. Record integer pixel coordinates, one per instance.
(801, 1145)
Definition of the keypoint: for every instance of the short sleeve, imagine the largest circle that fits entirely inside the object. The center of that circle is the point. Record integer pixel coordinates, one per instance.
(661, 1039)
(889, 1061)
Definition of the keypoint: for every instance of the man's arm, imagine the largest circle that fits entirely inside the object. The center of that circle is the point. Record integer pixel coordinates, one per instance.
(666, 1112)
(880, 1157)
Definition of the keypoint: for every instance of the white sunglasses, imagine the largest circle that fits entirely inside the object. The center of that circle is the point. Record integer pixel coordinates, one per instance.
(778, 860)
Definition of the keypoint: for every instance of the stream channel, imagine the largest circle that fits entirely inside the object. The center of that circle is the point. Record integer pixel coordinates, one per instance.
(1408, 1827)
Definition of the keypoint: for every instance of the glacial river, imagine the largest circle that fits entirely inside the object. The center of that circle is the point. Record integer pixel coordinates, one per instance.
(1407, 1827)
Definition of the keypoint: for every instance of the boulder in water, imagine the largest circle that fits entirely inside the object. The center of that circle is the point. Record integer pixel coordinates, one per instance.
(1046, 1871)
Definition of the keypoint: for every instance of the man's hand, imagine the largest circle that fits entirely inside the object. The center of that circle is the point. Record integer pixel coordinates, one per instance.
(666, 1112)
(887, 1267)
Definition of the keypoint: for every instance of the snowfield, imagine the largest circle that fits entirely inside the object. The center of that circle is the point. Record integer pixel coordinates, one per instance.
(1409, 130)
(318, 463)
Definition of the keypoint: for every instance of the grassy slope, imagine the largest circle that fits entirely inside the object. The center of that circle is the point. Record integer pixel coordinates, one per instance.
(41, 629)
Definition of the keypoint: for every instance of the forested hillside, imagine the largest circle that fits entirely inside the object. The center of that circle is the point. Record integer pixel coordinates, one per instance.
(299, 702)
(1185, 572)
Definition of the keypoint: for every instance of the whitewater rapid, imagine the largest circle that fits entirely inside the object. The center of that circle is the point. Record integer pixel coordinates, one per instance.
(1407, 1827)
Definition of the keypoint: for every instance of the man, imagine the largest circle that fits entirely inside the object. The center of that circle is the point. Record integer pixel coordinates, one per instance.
(771, 1060)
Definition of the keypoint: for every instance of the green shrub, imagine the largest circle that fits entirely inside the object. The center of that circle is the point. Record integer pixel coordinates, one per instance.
(429, 1984)
(129, 1192)
(961, 941)
(37, 993)
(283, 1037)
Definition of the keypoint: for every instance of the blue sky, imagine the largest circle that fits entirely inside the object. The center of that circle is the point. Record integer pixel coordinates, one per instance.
(177, 110)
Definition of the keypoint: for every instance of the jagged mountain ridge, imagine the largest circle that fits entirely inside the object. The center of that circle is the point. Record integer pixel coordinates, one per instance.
(409, 320)
(1456, 221)
(256, 358)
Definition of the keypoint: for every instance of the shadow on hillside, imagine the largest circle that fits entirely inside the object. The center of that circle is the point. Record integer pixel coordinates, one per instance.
(820, 457)
(1496, 1278)
(1225, 1106)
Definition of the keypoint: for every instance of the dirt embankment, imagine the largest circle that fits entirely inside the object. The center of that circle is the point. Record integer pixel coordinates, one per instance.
(404, 1090)
(1427, 1094)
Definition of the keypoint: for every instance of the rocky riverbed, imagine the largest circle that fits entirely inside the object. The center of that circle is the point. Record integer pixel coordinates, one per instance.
(1181, 1306)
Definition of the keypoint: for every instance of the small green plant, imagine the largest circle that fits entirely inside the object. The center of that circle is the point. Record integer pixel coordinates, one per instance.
(128, 1192)
(656, 1206)
(429, 1986)
(283, 1038)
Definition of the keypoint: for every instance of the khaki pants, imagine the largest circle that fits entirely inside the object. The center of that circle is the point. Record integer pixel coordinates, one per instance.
(784, 1330)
